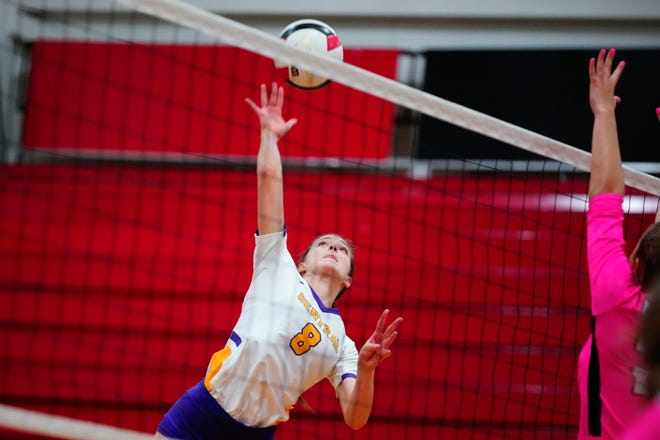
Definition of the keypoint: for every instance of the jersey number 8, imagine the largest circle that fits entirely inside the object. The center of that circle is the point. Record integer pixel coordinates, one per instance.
(308, 337)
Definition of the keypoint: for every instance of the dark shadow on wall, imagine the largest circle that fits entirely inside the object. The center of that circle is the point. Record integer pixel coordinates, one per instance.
(546, 91)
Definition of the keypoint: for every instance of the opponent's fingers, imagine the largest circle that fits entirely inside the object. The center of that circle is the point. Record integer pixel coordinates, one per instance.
(609, 59)
(592, 68)
(617, 72)
(600, 61)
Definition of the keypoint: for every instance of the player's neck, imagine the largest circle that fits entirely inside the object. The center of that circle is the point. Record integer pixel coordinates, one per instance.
(325, 287)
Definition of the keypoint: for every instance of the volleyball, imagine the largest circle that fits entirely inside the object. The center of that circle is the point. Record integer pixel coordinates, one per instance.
(312, 36)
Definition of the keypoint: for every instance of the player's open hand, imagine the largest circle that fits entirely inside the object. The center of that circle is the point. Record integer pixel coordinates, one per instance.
(602, 81)
(270, 111)
(377, 347)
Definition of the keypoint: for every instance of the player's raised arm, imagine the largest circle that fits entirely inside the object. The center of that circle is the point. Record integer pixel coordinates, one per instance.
(270, 198)
(606, 172)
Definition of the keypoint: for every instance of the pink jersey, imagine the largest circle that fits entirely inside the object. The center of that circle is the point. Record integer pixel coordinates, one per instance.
(617, 304)
(647, 427)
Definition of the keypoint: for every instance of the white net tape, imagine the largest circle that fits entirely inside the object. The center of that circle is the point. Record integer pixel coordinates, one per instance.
(63, 427)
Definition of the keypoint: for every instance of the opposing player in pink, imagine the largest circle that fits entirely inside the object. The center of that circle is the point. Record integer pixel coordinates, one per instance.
(610, 369)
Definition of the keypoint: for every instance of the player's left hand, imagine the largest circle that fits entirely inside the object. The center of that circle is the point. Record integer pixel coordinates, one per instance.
(377, 347)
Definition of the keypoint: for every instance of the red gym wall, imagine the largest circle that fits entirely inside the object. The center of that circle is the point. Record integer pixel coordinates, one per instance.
(158, 98)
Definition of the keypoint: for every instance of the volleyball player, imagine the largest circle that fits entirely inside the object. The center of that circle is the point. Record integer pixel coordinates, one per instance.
(610, 366)
(647, 426)
(288, 336)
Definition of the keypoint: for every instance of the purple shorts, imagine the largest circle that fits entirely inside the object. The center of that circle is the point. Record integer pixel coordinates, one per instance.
(198, 416)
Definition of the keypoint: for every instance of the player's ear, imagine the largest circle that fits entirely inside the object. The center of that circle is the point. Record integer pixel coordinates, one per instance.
(302, 269)
(347, 282)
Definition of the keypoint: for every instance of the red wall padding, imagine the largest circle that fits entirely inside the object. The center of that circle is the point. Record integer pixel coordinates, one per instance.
(190, 99)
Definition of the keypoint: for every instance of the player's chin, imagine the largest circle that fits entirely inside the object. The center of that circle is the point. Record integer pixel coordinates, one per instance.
(333, 270)
(328, 264)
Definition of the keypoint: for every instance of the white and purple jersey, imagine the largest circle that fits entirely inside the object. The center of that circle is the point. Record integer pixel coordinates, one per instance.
(285, 341)
(616, 304)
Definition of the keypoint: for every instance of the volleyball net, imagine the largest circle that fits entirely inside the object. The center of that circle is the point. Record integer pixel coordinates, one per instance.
(129, 207)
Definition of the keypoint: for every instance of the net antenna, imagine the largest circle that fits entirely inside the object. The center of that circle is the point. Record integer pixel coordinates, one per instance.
(268, 45)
